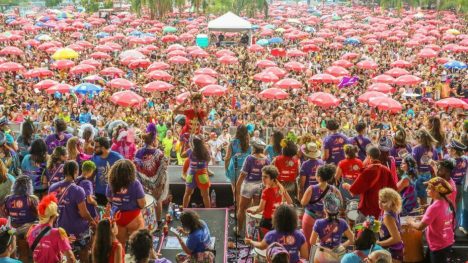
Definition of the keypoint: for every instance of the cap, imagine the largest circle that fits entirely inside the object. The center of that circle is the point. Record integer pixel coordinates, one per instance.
(257, 143)
(3, 120)
(440, 185)
(332, 204)
(456, 145)
(385, 144)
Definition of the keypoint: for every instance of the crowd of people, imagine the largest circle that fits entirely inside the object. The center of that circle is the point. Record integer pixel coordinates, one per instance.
(76, 176)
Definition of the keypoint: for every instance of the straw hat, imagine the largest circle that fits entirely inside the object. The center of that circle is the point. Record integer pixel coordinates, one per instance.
(311, 150)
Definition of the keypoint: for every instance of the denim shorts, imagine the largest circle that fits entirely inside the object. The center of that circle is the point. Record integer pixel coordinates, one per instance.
(251, 189)
(420, 187)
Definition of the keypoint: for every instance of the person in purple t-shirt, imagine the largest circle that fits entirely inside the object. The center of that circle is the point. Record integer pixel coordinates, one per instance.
(87, 171)
(285, 233)
(127, 197)
(334, 143)
(59, 137)
(73, 214)
(456, 151)
(361, 140)
(309, 167)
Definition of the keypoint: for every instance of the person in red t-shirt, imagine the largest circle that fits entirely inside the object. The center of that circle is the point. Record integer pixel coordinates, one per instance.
(288, 166)
(272, 196)
(348, 169)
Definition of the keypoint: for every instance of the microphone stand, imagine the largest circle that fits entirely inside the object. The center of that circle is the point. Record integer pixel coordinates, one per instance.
(236, 238)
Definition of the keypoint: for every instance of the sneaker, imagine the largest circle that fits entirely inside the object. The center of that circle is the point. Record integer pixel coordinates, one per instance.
(463, 230)
(232, 215)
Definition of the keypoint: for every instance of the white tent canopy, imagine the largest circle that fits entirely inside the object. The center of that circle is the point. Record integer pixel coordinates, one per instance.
(229, 22)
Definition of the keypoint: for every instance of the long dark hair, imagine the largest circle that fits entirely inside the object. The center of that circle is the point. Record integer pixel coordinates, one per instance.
(70, 168)
(200, 151)
(140, 245)
(103, 242)
(27, 131)
(285, 219)
(121, 175)
(242, 134)
(277, 137)
(365, 240)
(38, 151)
(190, 220)
(55, 157)
(436, 130)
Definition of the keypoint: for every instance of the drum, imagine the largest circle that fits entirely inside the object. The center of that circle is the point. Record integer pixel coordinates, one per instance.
(326, 255)
(352, 211)
(252, 223)
(259, 256)
(413, 240)
(149, 213)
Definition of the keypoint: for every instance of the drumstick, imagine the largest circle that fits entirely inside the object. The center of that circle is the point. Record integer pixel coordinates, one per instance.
(163, 236)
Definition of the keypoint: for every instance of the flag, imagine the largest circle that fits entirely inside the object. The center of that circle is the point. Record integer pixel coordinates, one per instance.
(348, 81)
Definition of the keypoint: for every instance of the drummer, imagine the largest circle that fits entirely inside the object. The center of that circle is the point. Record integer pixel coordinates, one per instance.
(309, 168)
(456, 151)
(439, 221)
(348, 169)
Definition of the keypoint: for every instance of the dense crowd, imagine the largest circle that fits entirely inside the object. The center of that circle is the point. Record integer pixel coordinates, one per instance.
(76, 176)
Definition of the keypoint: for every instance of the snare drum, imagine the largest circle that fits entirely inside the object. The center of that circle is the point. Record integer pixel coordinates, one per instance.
(352, 213)
(326, 255)
(413, 240)
(149, 213)
(252, 224)
(259, 256)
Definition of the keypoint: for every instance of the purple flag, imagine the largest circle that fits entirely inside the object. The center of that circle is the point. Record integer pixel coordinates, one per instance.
(348, 81)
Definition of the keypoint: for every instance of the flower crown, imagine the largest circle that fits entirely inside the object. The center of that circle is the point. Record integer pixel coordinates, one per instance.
(370, 223)
(290, 137)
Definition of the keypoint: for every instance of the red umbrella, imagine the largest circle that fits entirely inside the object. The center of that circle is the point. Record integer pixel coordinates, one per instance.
(206, 71)
(381, 87)
(343, 63)
(224, 52)
(127, 98)
(169, 38)
(112, 72)
(177, 53)
(273, 94)
(278, 52)
(92, 62)
(407, 80)
(401, 64)
(386, 104)
(203, 80)
(100, 55)
(452, 103)
(179, 60)
(367, 64)
(11, 67)
(442, 60)
(139, 63)
(60, 88)
(159, 75)
(427, 53)
(213, 90)
(264, 63)
(157, 66)
(11, 51)
(383, 79)
(324, 78)
(396, 72)
(266, 77)
(275, 70)
(38, 73)
(366, 96)
(45, 84)
(199, 53)
(228, 60)
(104, 48)
(350, 55)
(120, 83)
(295, 66)
(62, 64)
(337, 71)
(323, 99)
(310, 48)
(256, 48)
(157, 86)
(288, 83)
(82, 68)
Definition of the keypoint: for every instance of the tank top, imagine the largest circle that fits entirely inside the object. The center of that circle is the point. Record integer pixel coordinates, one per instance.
(408, 196)
(385, 234)
(288, 168)
(115, 244)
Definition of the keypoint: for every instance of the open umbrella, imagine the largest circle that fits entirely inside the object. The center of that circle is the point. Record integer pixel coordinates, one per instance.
(38, 73)
(295, 66)
(454, 64)
(60, 88)
(323, 99)
(11, 67)
(401, 64)
(337, 71)
(82, 68)
(324, 78)
(45, 84)
(127, 98)
(93, 79)
(367, 64)
(206, 71)
(381, 87)
(224, 52)
(407, 80)
(228, 60)
(120, 83)
(256, 48)
(179, 60)
(264, 63)
(396, 72)
(366, 96)
(452, 103)
(100, 55)
(213, 90)
(275, 70)
(11, 51)
(266, 77)
(159, 86)
(273, 94)
(169, 29)
(62, 64)
(65, 53)
(91, 62)
(159, 75)
(85, 88)
(385, 104)
(112, 72)
(158, 66)
(288, 83)
(203, 80)
(182, 97)
(342, 63)
(383, 79)
(139, 63)
(427, 53)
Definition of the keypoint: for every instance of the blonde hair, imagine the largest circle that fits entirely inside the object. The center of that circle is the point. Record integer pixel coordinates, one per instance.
(72, 145)
(392, 199)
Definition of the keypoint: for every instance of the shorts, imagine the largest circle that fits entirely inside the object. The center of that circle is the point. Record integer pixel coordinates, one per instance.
(198, 178)
(125, 217)
(251, 189)
(420, 187)
(397, 254)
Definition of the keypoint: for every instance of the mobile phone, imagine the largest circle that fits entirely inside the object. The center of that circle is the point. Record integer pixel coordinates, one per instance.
(175, 231)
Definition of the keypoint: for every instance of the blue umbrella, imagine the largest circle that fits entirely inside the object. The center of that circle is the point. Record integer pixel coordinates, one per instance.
(352, 41)
(8, 21)
(85, 88)
(309, 29)
(87, 25)
(275, 40)
(102, 35)
(454, 64)
(255, 27)
(135, 33)
(262, 42)
(39, 24)
(269, 26)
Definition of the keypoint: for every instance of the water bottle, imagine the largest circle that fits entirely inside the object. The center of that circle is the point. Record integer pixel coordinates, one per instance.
(213, 198)
(170, 210)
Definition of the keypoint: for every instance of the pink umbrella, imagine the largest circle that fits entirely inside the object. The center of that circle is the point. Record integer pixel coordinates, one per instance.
(323, 99)
(407, 80)
(343, 63)
(159, 75)
(266, 77)
(206, 71)
(199, 53)
(294, 66)
(112, 72)
(228, 60)
(337, 71)
(159, 86)
(139, 63)
(11, 67)
(310, 48)
(158, 66)
(179, 60)
(60, 88)
(381, 87)
(275, 70)
(401, 64)
(203, 80)
(295, 53)
(127, 98)
(104, 48)
(396, 72)
(82, 68)
(11, 51)
(93, 79)
(177, 53)
(452, 103)
(324, 78)
(224, 52)
(367, 64)
(383, 79)
(256, 48)
(38, 73)
(265, 63)
(288, 83)
(213, 90)
(62, 64)
(366, 96)
(120, 83)
(100, 55)
(350, 55)
(174, 47)
(274, 94)
(45, 84)
(386, 104)
(91, 62)
(182, 97)
(427, 53)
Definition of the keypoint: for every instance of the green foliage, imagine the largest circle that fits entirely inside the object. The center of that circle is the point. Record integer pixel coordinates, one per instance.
(52, 3)
(91, 6)
(11, 2)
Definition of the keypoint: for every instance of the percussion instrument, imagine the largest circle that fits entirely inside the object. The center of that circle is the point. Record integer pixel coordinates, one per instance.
(259, 255)
(149, 213)
(413, 240)
(326, 255)
(300, 214)
(352, 213)
(252, 223)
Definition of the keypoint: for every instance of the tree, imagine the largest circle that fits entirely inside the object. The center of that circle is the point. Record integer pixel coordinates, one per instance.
(91, 6)
(52, 3)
